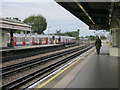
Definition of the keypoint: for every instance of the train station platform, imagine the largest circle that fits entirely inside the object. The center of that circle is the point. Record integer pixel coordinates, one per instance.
(29, 47)
(91, 71)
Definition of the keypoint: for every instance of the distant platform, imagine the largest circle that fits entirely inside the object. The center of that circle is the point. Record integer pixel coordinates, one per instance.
(29, 47)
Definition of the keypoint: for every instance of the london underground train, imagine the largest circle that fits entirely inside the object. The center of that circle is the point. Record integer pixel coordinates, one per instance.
(36, 39)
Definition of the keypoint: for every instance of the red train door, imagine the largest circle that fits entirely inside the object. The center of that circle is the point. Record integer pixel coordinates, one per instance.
(33, 40)
(40, 40)
(14, 39)
(23, 41)
(46, 40)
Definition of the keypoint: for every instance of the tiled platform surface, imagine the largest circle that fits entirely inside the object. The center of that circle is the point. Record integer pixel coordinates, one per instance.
(100, 72)
(28, 47)
(92, 72)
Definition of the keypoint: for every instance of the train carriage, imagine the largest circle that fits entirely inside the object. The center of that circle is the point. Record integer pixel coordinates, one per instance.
(19, 40)
(35, 39)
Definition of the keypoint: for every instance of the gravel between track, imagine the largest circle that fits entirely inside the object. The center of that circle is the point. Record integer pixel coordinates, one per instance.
(33, 69)
(4, 64)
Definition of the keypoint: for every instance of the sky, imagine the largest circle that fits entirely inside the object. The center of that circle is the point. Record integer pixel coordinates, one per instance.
(57, 17)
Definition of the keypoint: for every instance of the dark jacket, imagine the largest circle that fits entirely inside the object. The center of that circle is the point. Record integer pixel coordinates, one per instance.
(98, 43)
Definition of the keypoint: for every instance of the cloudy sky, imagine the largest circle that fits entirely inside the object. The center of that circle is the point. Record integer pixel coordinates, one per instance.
(57, 17)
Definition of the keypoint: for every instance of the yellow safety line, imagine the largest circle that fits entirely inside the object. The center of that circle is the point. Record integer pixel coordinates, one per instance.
(43, 84)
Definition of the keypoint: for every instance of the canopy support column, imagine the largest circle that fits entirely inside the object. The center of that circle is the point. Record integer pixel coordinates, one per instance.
(115, 34)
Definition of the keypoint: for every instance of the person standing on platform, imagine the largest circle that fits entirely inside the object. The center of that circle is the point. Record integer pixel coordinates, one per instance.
(98, 45)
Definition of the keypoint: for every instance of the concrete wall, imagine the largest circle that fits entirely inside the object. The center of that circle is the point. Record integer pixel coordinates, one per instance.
(115, 43)
(3, 38)
(114, 51)
(0, 37)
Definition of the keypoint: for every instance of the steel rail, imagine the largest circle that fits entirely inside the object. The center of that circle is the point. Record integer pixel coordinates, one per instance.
(10, 58)
(20, 81)
(5, 59)
(29, 64)
(24, 63)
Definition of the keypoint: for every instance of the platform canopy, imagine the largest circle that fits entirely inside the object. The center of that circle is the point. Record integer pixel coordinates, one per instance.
(12, 24)
(97, 15)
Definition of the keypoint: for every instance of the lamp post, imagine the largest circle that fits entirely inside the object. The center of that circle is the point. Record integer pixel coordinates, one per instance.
(11, 40)
(31, 32)
(78, 32)
(48, 33)
(78, 36)
(36, 38)
(59, 36)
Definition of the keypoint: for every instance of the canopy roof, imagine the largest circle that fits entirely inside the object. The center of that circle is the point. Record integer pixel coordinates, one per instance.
(97, 15)
(12, 24)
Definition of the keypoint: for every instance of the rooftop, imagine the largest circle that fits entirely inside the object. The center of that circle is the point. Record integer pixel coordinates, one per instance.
(13, 24)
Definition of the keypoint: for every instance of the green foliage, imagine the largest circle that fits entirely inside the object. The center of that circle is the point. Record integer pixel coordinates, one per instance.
(71, 34)
(94, 37)
(91, 37)
(74, 34)
(103, 37)
(38, 23)
(17, 32)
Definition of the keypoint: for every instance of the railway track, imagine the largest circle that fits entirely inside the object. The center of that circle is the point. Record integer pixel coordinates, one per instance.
(13, 57)
(20, 81)
(28, 64)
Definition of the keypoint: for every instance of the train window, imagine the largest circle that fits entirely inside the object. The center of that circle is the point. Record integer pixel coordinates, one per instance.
(20, 39)
(50, 39)
(23, 39)
(53, 37)
(8, 39)
(14, 38)
(27, 39)
(43, 39)
(34, 39)
(40, 38)
(17, 39)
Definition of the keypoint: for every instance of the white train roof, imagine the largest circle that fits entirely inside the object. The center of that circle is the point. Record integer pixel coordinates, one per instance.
(42, 35)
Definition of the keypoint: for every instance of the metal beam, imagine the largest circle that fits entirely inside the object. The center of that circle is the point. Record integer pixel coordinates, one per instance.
(99, 27)
(107, 6)
(85, 12)
(110, 12)
(93, 13)
(100, 11)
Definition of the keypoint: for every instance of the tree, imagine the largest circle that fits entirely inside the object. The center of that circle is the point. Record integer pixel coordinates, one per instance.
(103, 37)
(38, 23)
(71, 34)
(74, 34)
(58, 32)
(91, 37)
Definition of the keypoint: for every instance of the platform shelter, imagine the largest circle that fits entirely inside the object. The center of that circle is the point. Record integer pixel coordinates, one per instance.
(10, 26)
